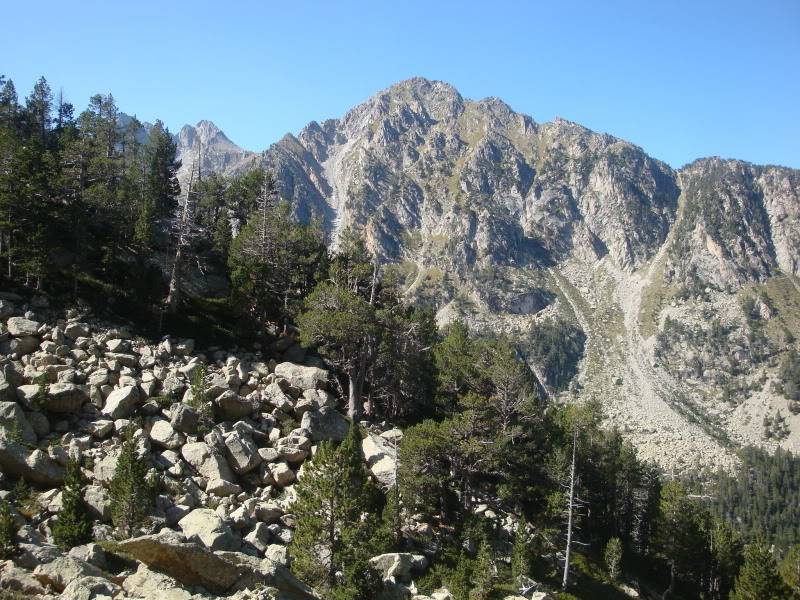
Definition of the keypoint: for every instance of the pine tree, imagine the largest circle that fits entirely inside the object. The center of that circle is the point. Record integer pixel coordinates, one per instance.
(790, 570)
(131, 492)
(483, 573)
(333, 538)
(612, 556)
(73, 526)
(521, 553)
(758, 578)
(8, 531)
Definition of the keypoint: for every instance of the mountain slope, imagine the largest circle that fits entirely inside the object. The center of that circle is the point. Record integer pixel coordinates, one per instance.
(508, 223)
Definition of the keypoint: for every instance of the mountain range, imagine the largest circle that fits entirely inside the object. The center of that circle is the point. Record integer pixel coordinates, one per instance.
(684, 283)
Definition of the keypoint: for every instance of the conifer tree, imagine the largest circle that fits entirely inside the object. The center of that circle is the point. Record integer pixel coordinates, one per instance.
(790, 570)
(483, 573)
(8, 531)
(521, 552)
(333, 538)
(73, 526)
(612, 555)
(131, 492)
(758, 578)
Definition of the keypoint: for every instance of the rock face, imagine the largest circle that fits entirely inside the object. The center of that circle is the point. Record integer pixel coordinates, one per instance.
(36, 467)
(205, 525)
(325, 424)
(192, 564)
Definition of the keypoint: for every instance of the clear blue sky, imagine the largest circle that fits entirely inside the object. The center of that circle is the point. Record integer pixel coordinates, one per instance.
(681, 79)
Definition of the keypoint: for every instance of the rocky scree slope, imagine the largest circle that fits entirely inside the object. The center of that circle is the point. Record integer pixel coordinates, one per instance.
(502, 221)
(222, 519)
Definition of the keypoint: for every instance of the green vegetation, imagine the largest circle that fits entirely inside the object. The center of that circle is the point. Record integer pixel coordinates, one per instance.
(761, 497)
(131, 492)
(335, 527)
(8, 531)
(73, 526)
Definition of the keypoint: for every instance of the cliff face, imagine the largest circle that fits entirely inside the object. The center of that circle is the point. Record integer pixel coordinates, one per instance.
(507, 223)
(419, 161)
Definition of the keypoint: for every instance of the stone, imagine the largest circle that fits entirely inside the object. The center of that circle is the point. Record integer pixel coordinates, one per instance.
(222, 488)
(205, 526)
(91, 553)
(15, 579)
(121, 402)
(398, 566)
(281, 473)
(208, 463)
(76, 330)
(98, 502)
(152, 584)
(12, 418)
(259, 538)
(325, 425)
(302, 378)
(64, 398)
(7, 308)
(60, 572)
(241, 452)
(234, 407)
(21, 327)
(162, 434)
(277, 554)
(380, 456)
(35, 467)
(105, 469)
(90, 588)
(20, 346)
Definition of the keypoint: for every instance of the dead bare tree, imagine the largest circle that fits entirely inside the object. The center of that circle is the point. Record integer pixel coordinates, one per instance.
(574, 505)
(184, 231)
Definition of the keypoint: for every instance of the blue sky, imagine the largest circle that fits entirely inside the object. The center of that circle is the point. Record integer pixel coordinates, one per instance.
(681, 79)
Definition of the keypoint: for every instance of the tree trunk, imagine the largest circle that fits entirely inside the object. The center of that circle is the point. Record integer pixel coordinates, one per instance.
(354, 397)
(174, 282)
(565, 580)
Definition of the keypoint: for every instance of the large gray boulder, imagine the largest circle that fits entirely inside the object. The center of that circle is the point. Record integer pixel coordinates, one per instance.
(219, 572)
(76, 330)
(64, 398)
(241, 452)
(151, 584)
(205, 526)
(13, 418)
(206, 462)
(302, 378)
(162, 434)
(20, 345)
(35, 467)
(325, 425)
(59, 573)
(380, 456)
(233, 407)
(183, 418)
(398, 566)
(120, 402)
(21, 327)
(90, 588)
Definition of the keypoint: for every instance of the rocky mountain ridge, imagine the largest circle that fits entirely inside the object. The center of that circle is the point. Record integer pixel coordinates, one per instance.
(504, 222)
